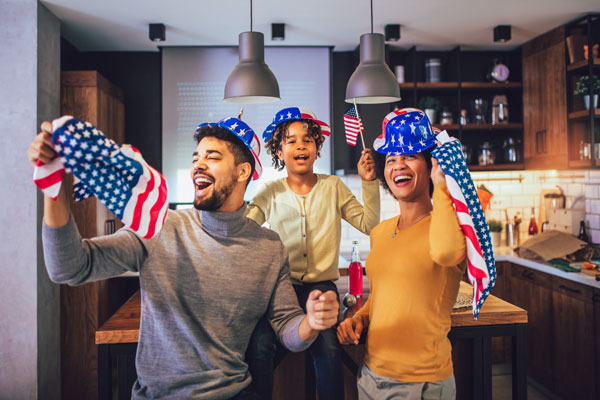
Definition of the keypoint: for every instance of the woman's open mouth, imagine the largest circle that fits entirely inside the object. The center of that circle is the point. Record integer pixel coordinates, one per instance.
(400, 180)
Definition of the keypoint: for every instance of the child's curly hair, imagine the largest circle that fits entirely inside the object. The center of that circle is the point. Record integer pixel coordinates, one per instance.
(280, 134)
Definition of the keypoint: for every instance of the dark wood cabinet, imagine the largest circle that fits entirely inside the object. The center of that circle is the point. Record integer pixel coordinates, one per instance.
(532, 290)
(574, 339)
(544, 102)
(87, 95)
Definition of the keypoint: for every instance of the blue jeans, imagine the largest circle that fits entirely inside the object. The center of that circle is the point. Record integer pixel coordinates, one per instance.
(325, 353)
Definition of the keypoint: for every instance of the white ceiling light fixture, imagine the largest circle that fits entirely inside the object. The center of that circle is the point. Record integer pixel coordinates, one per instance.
(251, 81)
(372, 82)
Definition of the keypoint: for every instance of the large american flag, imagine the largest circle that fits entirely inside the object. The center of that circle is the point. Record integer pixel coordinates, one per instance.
(481, 266)
(117, 175)
(352, 125)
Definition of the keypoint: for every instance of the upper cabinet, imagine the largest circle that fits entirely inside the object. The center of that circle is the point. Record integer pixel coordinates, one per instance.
(557, 124)
(476, 96)
(544, 102)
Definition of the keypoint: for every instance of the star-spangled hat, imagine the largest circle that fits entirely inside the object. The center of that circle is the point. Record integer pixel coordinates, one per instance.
(116, 174)
(293, 114)
(242, 131)
(405, 131)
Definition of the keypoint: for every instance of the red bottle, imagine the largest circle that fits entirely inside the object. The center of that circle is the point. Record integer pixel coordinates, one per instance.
(533, 229)
(355, 272)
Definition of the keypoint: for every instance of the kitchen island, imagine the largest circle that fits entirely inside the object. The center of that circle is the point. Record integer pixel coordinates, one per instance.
(117, 340)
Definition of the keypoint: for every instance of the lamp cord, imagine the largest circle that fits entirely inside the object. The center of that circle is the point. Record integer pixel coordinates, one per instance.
(251, 15)
(371, 16)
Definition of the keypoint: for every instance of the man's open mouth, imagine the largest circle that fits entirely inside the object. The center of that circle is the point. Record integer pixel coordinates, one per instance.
(202, 182)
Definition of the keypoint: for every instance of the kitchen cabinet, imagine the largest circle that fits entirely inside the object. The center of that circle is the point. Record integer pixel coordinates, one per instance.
(574, 339)
(532, 290)
(596, 301)
(583, 124)
(87, 95)
(463, 80)
(544, 102)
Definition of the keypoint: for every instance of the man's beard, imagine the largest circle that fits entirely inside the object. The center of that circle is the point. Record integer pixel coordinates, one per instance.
(217, 198)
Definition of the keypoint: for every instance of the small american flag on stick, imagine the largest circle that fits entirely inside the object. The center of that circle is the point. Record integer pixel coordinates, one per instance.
(481, 266)
(352, 125)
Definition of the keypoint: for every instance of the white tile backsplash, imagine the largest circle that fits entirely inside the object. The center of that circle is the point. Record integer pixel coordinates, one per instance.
(514, 191)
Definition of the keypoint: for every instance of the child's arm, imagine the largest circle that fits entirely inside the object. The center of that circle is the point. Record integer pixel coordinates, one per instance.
(257, 210)
(364, 218)
(255, 213)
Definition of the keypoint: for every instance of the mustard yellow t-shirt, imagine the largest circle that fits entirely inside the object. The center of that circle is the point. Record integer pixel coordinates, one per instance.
(414, 279)
(310, 225)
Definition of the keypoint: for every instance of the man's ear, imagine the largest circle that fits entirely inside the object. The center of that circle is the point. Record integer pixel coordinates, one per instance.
(243, 172)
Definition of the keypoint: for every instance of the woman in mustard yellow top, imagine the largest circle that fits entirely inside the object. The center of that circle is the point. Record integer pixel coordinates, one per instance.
(414, 269)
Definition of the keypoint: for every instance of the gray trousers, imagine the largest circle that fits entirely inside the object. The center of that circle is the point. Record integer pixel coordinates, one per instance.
(376, 387)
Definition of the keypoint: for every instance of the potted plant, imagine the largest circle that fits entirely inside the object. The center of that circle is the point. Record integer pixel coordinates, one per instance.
(583, 86)
(431, 106)
(495, 231)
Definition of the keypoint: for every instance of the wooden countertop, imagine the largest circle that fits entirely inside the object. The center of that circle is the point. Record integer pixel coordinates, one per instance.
(123, 326)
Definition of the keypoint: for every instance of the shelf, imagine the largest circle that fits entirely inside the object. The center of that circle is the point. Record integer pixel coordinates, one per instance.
(492, 85)
(496, 167)
(463, 85)
(582, 65)
(583, 114)
(490, 127)
(581, 163)
(450, 127)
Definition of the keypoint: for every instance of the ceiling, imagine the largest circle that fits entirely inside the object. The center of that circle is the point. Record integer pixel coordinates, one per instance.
(122, 25)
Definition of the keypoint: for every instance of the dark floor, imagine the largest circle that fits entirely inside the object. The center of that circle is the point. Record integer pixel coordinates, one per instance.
(502, 385)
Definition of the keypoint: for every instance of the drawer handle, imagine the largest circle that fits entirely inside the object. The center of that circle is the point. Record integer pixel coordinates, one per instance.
(568, 289)
(527, 275)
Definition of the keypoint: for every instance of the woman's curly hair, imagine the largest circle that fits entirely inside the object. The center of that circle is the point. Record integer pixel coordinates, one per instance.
(281, 133)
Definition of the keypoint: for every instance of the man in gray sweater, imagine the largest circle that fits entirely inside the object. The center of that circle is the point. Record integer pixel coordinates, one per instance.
(206, 279)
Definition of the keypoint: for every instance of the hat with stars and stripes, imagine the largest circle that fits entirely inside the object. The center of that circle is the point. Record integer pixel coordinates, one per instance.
(405, 131)
(243, 132)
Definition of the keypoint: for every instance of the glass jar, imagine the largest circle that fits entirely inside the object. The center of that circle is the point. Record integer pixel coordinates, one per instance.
(511, 154)
(486, 154)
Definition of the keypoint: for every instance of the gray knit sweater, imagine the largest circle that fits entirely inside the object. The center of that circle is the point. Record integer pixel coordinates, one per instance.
(205, 280)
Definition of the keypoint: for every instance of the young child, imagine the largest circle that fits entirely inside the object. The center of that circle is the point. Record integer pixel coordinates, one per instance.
(306, 210)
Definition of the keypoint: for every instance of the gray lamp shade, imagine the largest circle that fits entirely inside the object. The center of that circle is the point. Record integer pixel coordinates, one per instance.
(251, 81)
(372, 82)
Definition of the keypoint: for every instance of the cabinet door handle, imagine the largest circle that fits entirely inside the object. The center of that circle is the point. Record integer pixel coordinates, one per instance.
(568, 289)
(540, 141)
(528, 275)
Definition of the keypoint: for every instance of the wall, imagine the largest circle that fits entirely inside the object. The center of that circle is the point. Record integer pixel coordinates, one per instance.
(138, 75)
(515, 191)
(29, 303)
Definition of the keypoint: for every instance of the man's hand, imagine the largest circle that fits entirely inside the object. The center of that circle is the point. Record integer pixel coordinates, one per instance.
(366, 166)
(322, 309)
(42, 148)
(349, 330)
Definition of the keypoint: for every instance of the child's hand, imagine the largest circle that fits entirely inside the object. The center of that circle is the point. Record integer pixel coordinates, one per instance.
(437, 174)
(366, 166)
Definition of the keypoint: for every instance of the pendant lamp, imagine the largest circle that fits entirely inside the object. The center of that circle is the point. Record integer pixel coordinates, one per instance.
(251, 81)
(372, 82)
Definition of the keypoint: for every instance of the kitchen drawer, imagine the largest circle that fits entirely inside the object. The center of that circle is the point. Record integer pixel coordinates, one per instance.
(531, 275)
(572, 289)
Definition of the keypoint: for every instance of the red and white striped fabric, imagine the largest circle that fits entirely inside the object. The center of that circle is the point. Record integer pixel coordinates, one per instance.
(481, 266)
(117, 175)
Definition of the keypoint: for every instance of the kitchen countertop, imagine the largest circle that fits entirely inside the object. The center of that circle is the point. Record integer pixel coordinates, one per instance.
(507, 254)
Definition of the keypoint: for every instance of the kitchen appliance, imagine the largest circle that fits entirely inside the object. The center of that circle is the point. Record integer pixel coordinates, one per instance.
(565, 220)
(550, 199)
(479, 107)
(499, 110)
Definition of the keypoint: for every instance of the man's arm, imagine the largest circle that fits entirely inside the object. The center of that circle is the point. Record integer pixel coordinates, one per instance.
(69, 259)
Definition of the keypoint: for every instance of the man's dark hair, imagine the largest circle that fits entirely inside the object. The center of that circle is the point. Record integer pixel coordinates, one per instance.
(380, 169)
(240, 151)
(280, 134)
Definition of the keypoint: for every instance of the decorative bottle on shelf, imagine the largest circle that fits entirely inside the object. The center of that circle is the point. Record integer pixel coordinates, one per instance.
(582, 234)
(355, 272)
(533, 229)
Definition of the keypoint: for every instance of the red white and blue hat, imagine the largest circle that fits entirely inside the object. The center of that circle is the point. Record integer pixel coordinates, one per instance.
(293, 114)
(243, 132)
(405, 131)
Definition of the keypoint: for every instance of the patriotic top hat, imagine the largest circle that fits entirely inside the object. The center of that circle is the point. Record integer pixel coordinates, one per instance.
(405, 131)
(293, 114)
(243, 132)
